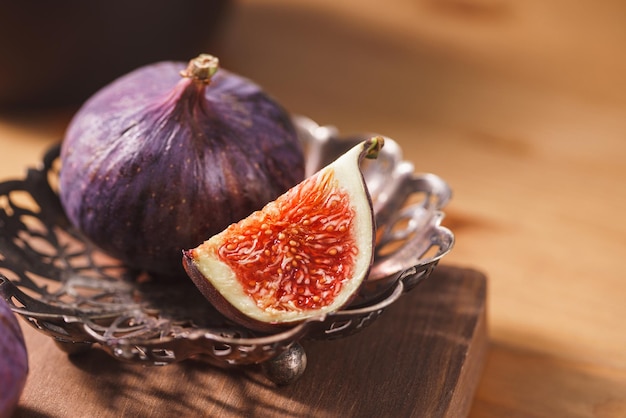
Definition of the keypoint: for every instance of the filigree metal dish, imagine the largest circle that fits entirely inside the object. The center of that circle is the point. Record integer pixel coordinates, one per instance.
(71, 291)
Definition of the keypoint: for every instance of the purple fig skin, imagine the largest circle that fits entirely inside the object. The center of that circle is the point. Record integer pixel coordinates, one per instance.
(13, 360)
(154, 163)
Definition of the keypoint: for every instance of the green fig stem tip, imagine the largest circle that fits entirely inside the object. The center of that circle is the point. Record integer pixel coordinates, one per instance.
(373, 146)
(202, 68)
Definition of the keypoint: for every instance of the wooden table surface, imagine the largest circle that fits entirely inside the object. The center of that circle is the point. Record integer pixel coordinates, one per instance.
(521, 107)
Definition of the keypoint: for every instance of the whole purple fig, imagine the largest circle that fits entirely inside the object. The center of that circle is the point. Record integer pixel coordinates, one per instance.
(154, 162)
(13, 360)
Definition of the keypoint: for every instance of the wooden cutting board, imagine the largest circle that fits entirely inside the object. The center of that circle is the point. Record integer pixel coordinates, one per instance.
(423, 357)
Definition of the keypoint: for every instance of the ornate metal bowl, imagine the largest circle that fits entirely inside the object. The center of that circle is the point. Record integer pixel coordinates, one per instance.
(71, 291)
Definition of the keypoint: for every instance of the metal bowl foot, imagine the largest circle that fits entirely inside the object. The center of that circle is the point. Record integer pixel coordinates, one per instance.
(287, 367)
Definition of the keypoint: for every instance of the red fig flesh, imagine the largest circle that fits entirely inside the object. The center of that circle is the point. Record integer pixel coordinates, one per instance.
(155, 162)
(304, 254)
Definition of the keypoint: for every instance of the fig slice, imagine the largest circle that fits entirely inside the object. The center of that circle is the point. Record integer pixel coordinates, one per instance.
(304, 254)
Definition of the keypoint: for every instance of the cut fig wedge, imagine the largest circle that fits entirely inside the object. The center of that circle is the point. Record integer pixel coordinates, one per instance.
(304, 254)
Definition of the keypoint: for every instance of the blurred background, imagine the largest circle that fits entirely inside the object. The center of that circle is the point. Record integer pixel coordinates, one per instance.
(519, 105)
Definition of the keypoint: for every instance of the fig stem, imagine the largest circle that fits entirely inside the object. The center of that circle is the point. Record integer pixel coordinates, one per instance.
(373, 147)
(201, 69)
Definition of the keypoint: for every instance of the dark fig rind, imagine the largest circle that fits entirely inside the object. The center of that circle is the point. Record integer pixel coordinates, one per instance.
(154, 163)
(222, 305)
(13, 360)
